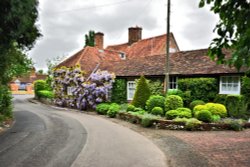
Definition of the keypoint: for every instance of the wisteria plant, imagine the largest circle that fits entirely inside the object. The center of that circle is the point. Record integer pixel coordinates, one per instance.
(72, 89)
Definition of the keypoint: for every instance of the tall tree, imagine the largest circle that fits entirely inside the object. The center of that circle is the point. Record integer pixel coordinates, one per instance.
(90, 38)
(18, 33)
(233, 31)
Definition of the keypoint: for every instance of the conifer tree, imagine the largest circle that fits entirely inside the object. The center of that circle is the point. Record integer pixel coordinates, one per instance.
(142, 93)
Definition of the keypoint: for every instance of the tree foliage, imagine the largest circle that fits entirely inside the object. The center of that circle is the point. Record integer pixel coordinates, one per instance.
(18, 32)
(233, 31)
(90, 38)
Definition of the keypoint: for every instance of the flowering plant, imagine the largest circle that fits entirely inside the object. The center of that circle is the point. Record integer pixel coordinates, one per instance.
(73, 90)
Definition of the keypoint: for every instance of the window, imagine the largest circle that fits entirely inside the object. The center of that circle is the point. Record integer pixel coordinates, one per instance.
(69, 90)
(131, 85)
(230, 85)
(173, 83)
(123, 56)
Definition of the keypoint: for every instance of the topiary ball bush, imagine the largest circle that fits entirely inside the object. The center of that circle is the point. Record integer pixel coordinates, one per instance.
(102, 108)
(173, 102)
(131, 107)
(113, 110)
(155, 101)
(217, 109)
(199, 108)
(204, 115)
(172, 114)
(137, 109)
(157, 111)
(195, 103)
(184, 112)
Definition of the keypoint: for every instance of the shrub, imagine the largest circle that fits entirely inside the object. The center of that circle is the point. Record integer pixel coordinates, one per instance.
(235, 124)
(199, 108)
(5, 102)
(173, 102)
(204, 115)
(142, 93)
(40, 85)
(221, 99)
(195, 103)
(123, 107)
(45, 94)
(171, 114)
(155, 101)
(131, 107)
(180, 119)
(157, 111)
(245, 88)
(237, 106)
(215, 118)
(201, 88)
(156, 87)
(137, 109)
(102, 108)
(175, 92)
(113, 110)
(184, 112)
(217, 109)
(119, 91)
(192, 124)
(147, 120)
(138, 113)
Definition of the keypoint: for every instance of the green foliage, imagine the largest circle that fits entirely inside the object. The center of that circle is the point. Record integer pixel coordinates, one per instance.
(131, 107)
(175, 92)
(147, 120)
(45, 94)
(40, 85)
(102, 108)
(90, 38)
(245, 89)
(137, 113)
(123, 107)
(181, 119)
(155, 101)
(237, 106)
(119, 91)
(157, 111)
(214, 108)
(184, 112)
(217, 109)
(192, 124)
(220, 98)
(233, 31)
(142, 93)
(204, 115)
(18, 32)
(195, 103)
(215, 118)
(137, 109)
(172, 114)
(201, 88)
(5, 102)
(235, 124)
(173, 102)
(113, 110)
(156, 87)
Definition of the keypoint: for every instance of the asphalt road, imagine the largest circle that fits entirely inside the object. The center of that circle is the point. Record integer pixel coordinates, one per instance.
(44, 136)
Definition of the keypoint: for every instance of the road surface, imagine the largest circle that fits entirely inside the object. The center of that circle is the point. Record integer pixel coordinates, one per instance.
(43, 136)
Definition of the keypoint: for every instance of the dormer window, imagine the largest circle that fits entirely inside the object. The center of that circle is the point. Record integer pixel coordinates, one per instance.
(123, 56)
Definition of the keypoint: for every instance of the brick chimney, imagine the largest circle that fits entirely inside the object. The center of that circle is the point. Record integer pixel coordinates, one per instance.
(99, 40)
(134, 34)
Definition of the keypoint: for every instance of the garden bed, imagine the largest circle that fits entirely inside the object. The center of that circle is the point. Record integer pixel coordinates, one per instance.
(173, 125)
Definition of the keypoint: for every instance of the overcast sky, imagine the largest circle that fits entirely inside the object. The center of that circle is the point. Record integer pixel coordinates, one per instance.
(64, 23)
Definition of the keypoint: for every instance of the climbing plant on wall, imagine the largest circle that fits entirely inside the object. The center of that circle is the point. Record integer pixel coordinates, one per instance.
(73, 89)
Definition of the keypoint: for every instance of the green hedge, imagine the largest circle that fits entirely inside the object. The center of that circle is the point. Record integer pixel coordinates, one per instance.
(119, 91)
(40, 85)
(5, 102)
(45, 94)
(237, 106)
(201, 88)
(173, 102)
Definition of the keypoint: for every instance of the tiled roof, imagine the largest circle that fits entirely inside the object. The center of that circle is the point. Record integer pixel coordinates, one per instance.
(145, 47)
(194, 62)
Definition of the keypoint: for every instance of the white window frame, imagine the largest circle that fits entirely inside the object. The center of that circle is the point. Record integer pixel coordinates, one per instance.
(70, 90)
(129, 89)
(227, 84)
(173, 83)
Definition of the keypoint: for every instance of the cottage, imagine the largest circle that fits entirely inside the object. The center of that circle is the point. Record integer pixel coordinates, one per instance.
(147, 57)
